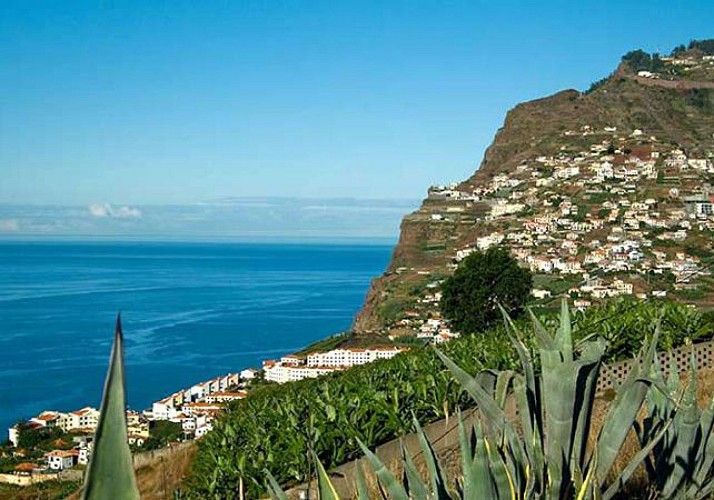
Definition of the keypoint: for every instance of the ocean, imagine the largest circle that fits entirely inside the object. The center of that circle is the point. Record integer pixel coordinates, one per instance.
(190, 311)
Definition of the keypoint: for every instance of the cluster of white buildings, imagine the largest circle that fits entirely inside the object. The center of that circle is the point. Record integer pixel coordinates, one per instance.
(196, 407)
(436, 330)
(81, 424)
(687, 63)
(292, 368)
(557, 239)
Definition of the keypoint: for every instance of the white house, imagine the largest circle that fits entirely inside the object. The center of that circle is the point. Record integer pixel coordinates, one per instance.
(164, 409)
(277, 372)
(83, 455)
(203, 430)
(540, 294)
(61, 459)
(13, 435)
(86, 418)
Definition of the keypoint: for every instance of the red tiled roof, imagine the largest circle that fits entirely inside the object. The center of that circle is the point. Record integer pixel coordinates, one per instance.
(61, 453)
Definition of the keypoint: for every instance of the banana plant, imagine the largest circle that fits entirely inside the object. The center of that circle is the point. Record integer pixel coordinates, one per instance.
(111, 473)
(410, 486)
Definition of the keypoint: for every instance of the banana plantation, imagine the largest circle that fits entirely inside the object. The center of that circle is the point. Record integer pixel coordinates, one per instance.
(547, 366)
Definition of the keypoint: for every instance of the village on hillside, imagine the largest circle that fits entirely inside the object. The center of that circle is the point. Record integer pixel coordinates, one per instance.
(624, 215)
(55, 441)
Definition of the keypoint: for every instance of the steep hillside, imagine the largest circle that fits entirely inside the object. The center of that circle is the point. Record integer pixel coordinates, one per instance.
(600, 193)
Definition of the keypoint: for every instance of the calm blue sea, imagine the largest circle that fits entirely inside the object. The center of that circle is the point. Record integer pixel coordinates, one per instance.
(190, 312)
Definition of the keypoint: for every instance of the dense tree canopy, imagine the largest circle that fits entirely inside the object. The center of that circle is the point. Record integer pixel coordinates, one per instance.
(483, 280)
(639, 60)
(706, 46)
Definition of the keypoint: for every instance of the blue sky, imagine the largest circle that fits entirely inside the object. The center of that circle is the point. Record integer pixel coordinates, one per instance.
(155, 103)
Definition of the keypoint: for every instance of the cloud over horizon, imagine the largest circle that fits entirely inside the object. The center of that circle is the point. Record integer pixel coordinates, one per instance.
(106, 210)
(225, 219)
(9, 225)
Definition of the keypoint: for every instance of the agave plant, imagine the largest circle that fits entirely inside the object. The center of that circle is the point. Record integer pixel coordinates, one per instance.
(682, 463)
(110, 473)
(544, 454)
(552, 460)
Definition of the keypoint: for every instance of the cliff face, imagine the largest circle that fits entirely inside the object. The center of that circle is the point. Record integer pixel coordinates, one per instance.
(631, 114)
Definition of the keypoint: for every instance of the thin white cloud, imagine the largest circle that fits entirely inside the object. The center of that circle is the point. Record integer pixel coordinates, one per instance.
(99, 210)
(9, 225)
(106, 210)
(127, 212)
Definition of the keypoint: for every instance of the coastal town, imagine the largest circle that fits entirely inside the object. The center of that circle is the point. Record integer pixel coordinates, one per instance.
(615, 212)
(186, 414)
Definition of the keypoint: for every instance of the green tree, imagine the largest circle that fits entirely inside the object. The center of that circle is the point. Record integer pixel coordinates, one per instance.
(483, 280)
(638, 60)
(31, 438)
(706, 46)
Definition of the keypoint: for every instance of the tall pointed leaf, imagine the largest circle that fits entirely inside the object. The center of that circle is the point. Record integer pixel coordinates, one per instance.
(384, 475)
(111, 472)
(413, 481)
(324, 484)
(362, 489)
(436, 474)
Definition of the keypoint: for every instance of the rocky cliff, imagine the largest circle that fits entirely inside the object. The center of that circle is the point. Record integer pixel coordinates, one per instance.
(552, 162)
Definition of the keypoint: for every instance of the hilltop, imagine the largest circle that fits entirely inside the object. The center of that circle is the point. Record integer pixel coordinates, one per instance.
(601, 193)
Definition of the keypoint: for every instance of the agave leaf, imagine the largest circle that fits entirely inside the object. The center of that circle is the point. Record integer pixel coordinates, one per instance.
(587, 383)
(623, 411)
(634, 463)
(503, 382)
(686, 423)
(436, 474)
(483, 488)
(587, 484)
(487, 406)
(413, 481)
(564, 334)
(467, 458)
(362, 490)
(543, 338)
(559, 394)
(276, 492)
(705, 455)
(384, 476)
(502, 478)
(487, 380)
(111, 472)
(324, 484)
(514, 457)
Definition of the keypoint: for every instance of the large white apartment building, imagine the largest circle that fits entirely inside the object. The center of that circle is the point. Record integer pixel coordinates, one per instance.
(340, 358)
(281, 373)
(292, 368)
